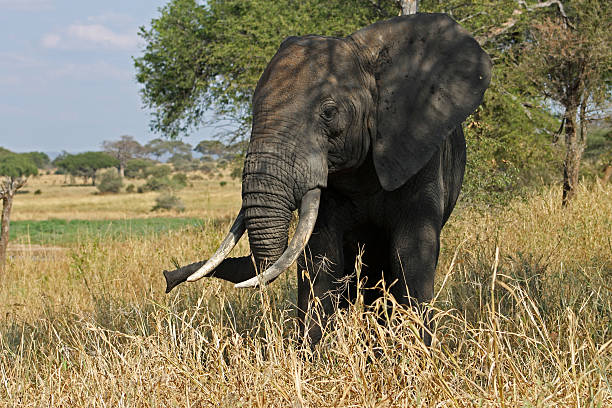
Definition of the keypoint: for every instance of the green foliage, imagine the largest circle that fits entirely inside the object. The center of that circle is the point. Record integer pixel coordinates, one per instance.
(130, 188)
(195, 57)
(158, 171)
(183, 162)
(164, 183)
(161, 147)
(40, 159)
(598, 152)
(168, 201)
(135, 168)
(236, 173)
(124, 149)
(58, 231)
(110, 182)
(509, 148)
(211, 147)
(180, 179)
(199, 57)
(85, 164)
(16, 165)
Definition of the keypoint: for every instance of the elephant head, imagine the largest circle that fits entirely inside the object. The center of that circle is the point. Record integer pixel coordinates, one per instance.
(394, 89)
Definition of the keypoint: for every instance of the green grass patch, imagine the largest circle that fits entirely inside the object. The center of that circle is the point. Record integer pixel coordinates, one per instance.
(58, 231)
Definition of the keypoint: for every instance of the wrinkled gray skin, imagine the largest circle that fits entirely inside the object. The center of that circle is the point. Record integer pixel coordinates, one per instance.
(374, 120)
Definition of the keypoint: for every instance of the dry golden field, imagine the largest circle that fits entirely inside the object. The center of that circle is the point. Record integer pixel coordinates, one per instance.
(206, 198)
(523, 312)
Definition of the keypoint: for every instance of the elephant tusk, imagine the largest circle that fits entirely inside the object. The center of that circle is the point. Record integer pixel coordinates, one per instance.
(308, 216)
(225, 248)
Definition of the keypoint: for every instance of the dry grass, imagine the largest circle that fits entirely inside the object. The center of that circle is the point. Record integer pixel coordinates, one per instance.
(524, 319)
(205, 198)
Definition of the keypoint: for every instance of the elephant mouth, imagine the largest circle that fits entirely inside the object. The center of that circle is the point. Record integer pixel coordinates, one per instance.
(307, 217)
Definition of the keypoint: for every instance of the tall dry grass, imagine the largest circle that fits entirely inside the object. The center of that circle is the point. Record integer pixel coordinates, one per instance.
(523, 318)
(205, 197)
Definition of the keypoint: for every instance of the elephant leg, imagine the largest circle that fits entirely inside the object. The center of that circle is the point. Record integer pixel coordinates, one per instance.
(415, 247)
(320, 285)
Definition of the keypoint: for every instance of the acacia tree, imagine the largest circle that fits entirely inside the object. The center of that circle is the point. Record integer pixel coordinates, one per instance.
(569, 61)
(86, 164)
(14, 172)
(124, 149)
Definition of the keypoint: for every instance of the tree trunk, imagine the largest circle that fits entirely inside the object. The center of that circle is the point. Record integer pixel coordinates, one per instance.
(409, 7)
(606, 175)
(7, 203)
(574, 146)
(121, 170)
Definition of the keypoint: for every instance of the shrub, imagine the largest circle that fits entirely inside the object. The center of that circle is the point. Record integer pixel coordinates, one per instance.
(222, 183)
(130, 188)
(168, 201)
(38, 192)
(136, 168)
(177, 182)
(206, 168)
(236, 173)
(110, 182)
(158, 171)
(179, 179)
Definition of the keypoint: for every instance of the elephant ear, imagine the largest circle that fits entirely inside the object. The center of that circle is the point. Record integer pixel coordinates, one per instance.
(430, 74)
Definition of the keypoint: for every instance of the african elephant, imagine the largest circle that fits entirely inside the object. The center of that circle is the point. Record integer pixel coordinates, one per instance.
(363, 134)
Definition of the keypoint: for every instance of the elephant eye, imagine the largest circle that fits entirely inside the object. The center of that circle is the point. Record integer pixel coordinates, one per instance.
(329, 112)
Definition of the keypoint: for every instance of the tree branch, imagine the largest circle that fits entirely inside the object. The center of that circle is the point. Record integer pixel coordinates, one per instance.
(511, 22)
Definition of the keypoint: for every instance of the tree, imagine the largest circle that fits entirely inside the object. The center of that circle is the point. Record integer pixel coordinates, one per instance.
(124, 149)
(209, 57)
(211, 148)
(14, 172)
(570, 63)
(409, 6)
(200, 57)
(85, 164)
(160, 147)
(40, 159)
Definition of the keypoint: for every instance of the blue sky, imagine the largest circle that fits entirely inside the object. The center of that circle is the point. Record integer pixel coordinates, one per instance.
(66, 74)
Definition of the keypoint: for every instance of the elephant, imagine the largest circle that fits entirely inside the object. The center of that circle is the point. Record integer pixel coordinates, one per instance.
(364, 135)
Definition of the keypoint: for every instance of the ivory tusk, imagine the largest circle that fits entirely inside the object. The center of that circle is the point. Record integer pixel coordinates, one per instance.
(225, 248)
(308, 216)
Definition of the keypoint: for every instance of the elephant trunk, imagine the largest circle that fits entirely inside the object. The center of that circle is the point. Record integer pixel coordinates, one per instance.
(267, 202)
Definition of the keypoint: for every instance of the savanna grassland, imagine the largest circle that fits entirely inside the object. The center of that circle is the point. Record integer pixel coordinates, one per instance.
(523, 313)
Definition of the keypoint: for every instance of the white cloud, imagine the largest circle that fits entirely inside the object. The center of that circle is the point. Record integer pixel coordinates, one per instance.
(51, 40)
(99, 34)
(25, 5)
(87, 36)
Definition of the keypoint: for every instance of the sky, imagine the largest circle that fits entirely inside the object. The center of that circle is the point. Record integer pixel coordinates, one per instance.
(67, 80)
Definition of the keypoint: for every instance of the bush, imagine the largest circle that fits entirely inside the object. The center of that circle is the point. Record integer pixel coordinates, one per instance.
(236, 173)
(130, 189)
(38, 192)
(179, 179)
(167, 201)
(158, 171)
(222, 183)
(206, 168)
(136, 168)
(110, 182)
(177, 182)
